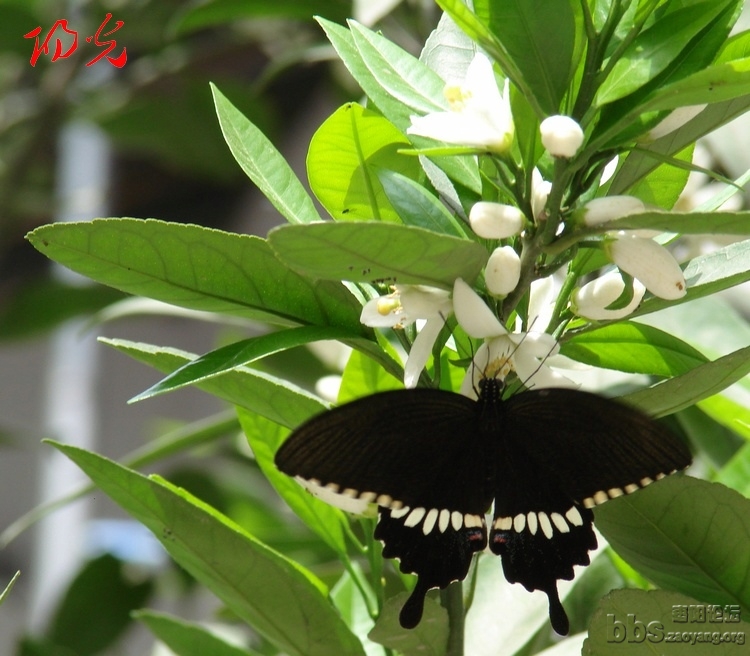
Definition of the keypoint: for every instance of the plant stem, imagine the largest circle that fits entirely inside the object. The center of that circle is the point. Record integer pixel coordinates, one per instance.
(452, 599)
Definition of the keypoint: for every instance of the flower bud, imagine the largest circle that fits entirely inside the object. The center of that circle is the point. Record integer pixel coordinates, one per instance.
(540, 189)
(675, 120)
(651, 263)
(561, 136)
(592, 300)
(609, 208)
(495, 220)
(503, 271)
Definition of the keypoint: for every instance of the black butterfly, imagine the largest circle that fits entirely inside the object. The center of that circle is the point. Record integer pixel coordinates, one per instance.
(434, 461)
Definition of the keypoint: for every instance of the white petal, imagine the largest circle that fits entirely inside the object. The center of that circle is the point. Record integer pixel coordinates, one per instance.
(373, 314)
(423, 302)
(609, 208)
(534, 374)
(542, 295)
(473, 314)
(650, 263)
(591, 300)
(420, 351)
(503, 271)
(561, 135)
(495, 220)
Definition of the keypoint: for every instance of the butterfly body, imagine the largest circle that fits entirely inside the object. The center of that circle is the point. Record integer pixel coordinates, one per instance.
(436, 462)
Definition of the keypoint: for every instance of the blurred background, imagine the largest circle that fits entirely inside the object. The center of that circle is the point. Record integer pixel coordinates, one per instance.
(141, 139)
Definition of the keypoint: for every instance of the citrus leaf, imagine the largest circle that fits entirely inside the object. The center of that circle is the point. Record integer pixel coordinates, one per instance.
(363, 252)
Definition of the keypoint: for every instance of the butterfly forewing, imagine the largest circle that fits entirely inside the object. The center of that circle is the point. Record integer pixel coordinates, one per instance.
(595, 448)
(419, 447)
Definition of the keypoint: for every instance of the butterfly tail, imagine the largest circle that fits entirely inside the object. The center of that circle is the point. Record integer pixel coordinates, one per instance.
(557, 615)
(411, 612)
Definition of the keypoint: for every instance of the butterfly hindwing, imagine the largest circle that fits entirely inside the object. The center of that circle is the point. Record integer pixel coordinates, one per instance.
(418, 455)
(438, 556)
(564, 451)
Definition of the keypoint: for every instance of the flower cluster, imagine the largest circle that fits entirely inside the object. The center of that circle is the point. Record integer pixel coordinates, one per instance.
(479, 117)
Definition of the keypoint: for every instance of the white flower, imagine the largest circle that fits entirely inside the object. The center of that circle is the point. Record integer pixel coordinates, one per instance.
(650, 263)
(479, 114)
(495, 220)
(407, 304)
(609, 208)
(503, 271)
(540, 189)
(634, 253)
(561, 136)
(502, 352)
(592, 300)
(674, 120)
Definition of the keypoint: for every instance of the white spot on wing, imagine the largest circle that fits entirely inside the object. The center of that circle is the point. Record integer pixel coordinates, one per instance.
(646, 481)
(588, 502)
(545, 525)
(429, 521)
(445, 520)
(519, 523)
(457, 520)
(384, 500)
(600, 497)
(632, 487)
(504, 523)
(400, 512)
(574, 517)
(615, 492)
(560, 524)
(531, 522)
(415, 516)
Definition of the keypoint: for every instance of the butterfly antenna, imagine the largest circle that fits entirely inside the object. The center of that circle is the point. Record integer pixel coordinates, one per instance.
(526, 383)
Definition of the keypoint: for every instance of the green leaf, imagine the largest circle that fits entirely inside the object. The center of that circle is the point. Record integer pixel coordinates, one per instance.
(640, 162)
(186, 638)
(686, 535)
(232, 356)
(736, 473)
(655, 49)
(540, 38)
(714, 84)
(263, 164)
(345, 155)
(265, 438)
(697, 384)
(429, 638)
(642, 623)
(416, 206)
(6, 591)
(665, 184)
(82, 623)
(198, 268)
(634, 348)
(362, 377)
(271, 397)
(685, 223)
(278, 598)
(363, 252)
(708, 274)
(400, 75)
(216, 12)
